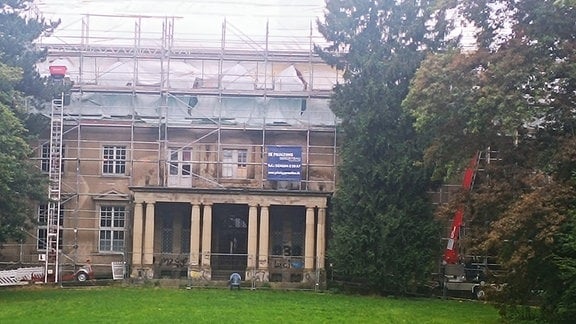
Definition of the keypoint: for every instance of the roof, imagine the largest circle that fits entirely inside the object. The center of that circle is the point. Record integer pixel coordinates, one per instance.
(192, 110)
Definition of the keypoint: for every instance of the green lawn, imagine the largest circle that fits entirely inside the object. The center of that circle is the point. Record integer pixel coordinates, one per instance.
(156, 305)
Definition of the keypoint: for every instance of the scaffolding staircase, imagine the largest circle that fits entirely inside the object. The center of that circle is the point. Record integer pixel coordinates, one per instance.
(55, 190)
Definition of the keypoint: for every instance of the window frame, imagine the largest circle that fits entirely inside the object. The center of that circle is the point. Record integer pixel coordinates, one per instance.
(109, 232)
(45, 157)
(180, 161)
(114, 164)
(234, 163)
(42, 227)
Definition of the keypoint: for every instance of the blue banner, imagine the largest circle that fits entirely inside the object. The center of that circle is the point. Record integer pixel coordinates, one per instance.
(284, 163)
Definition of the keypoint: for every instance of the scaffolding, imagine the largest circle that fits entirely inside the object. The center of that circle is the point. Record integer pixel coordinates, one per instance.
(177, 106)
(148, 61)
(151, 70)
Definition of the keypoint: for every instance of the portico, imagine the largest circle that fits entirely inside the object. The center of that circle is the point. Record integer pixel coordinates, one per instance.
(264, 235)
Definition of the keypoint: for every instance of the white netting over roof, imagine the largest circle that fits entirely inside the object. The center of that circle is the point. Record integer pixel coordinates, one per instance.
(129, 41)
(187, 110)
(287, 25)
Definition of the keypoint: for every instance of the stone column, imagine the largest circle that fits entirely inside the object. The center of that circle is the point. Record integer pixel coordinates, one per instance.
(321, 239)
(252, 241)
(148, 258)
(263, 251)
(206, 240)
(194, 271)
(195, 236)
(309, 240)
(137, 239)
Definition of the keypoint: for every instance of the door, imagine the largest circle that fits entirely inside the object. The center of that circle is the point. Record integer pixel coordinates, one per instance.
(180, 167)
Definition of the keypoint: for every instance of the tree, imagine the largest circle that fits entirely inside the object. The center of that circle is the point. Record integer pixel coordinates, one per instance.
(516, 94)
(382, 225)
(20, 182)
(20, 29)
(19, 32)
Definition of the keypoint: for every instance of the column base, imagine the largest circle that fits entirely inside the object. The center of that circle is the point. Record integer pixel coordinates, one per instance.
(203, 274)
(142, 272)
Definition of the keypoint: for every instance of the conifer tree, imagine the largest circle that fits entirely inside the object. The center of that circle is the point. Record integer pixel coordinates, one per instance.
(382, 225)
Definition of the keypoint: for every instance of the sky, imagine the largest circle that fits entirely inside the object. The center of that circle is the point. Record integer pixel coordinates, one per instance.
(289, 20)
(291, 24)
(214, 8)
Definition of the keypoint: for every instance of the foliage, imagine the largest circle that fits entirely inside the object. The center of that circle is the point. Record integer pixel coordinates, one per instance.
(20, 181)
(515, 95)
(383, 230)
(19, 30)
(158, 305)
(8, 77)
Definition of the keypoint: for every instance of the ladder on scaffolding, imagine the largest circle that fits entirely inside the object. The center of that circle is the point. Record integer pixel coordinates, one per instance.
(54, 190)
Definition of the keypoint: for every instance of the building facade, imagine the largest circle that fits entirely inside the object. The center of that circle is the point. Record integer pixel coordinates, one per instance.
(186, 162)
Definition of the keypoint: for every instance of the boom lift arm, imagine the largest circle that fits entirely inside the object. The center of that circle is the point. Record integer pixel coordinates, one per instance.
(451, 253)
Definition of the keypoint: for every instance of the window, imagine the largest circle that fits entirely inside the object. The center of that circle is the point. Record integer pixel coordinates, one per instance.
(45, 158)
(45, 161)
(42, 234)
(180, 161)
(234, 163)
(112, 220)
(114, 160)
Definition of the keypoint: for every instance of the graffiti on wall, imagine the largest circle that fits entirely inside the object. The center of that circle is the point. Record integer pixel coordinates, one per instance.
(177, 261)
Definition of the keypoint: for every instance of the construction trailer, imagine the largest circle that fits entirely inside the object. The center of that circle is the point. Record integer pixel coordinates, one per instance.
(184, 162)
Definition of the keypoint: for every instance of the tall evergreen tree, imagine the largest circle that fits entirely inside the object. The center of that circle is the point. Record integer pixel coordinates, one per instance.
(382, 225)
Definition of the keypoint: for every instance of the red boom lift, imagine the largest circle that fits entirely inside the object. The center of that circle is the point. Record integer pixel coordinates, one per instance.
(451, 252)
(457, 274)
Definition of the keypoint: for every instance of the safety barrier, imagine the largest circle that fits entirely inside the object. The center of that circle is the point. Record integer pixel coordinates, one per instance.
(21, 276)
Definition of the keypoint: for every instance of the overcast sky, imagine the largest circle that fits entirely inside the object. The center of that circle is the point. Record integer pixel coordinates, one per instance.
(291, 20)
(217, 8)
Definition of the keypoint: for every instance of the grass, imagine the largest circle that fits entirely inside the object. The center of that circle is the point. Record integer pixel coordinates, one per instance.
(157, 305)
